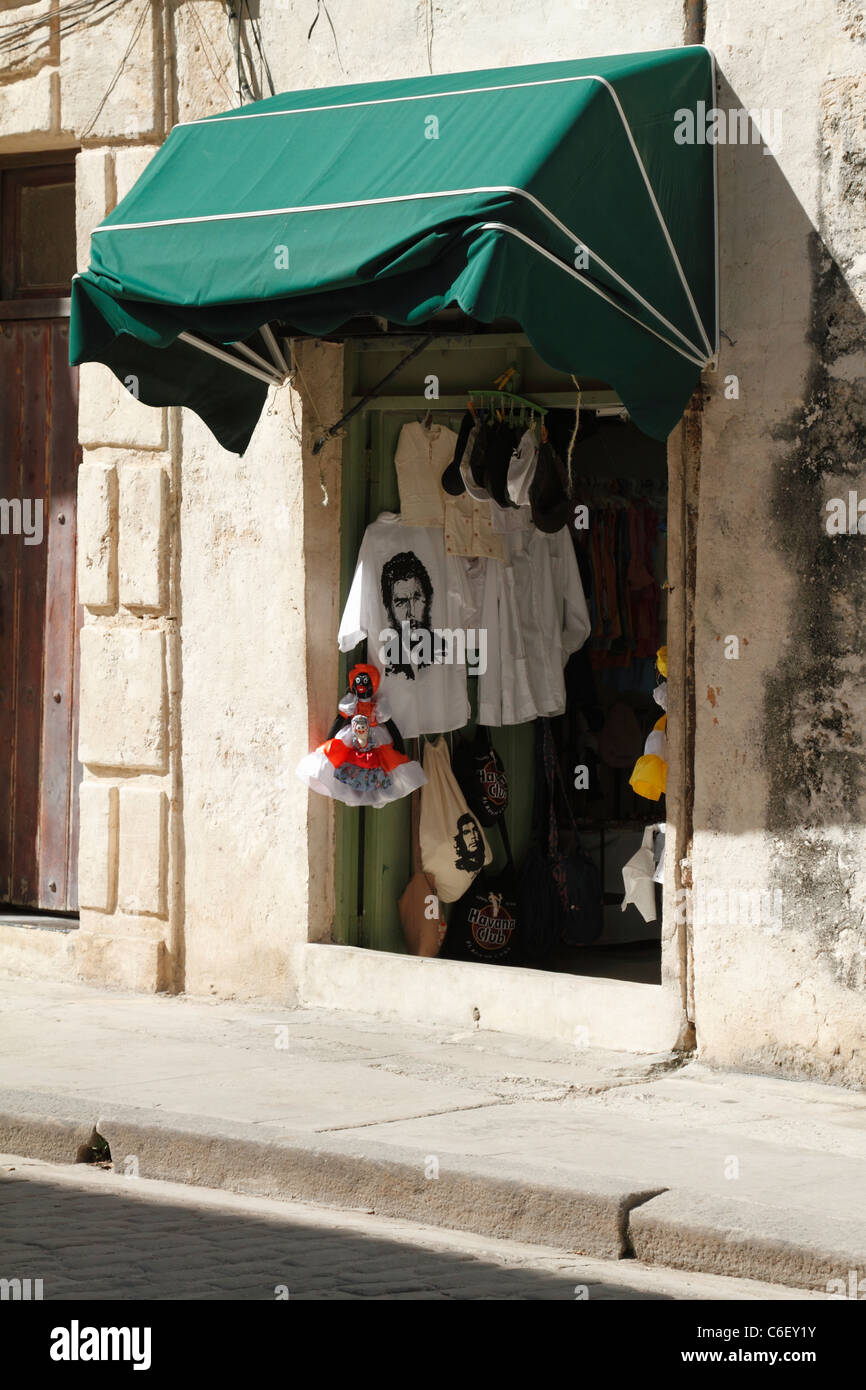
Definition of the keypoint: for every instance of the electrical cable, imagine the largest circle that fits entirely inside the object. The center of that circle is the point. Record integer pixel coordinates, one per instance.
(121, 65)
(257, 36)
(206, 42)
(73, 17)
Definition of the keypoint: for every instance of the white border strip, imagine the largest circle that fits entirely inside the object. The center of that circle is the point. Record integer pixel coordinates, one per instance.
(575, 274)
(715, 194)
(404, 198)
(508, 87)
(241, 115)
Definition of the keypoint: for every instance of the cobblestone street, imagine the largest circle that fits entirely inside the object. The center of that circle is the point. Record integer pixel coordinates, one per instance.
(94, 1234)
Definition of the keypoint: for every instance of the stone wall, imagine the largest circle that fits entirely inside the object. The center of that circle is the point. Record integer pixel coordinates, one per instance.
(208, 582)
(780, 800)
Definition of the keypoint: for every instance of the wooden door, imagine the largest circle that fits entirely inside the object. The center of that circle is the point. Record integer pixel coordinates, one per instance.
(39, 616)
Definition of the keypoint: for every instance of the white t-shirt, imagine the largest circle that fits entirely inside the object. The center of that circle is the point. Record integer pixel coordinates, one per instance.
(408, 598)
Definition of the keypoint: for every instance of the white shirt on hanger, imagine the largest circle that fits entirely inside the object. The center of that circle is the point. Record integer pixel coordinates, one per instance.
(536, 615)
(406, 586)
(421, 458)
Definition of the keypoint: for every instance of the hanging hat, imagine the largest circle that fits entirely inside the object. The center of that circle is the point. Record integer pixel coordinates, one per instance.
(521, 469)
(650, 776)
(662, 661)
(476, 461)
(548, 495)
(452, 480)
(498, 457)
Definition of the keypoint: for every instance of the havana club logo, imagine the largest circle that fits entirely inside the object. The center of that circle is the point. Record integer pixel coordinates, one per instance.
(491, 924)
(494, 785)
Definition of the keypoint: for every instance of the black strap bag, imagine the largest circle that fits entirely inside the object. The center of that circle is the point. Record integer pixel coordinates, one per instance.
(560, 894)
(481, 776)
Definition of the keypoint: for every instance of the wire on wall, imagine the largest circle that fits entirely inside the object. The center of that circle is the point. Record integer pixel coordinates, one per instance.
(250, 85)
(21, 37)
(322, 7)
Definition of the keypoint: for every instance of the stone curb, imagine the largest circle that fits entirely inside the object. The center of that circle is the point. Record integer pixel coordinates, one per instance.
(576, 1212)
(693, 1231)
(585, 1215)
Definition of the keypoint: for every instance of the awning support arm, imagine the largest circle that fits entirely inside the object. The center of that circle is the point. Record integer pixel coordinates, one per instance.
(269, 378)
(254, 357)
(329, 434)
(273, 347)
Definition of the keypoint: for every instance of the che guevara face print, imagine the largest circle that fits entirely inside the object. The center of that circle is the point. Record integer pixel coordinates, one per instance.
(407, 593)
(468, 844)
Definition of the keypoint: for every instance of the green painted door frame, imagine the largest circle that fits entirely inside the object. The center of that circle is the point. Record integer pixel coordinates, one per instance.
(373, 847)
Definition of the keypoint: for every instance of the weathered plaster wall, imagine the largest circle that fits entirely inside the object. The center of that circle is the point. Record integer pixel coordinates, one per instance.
(259, 544)
(203, 862)
(780, 800)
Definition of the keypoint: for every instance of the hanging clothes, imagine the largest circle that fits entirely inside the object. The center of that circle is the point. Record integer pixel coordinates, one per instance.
(638, 878)
(624, 549)
(536, 615)
(421, 459)
(406, 595)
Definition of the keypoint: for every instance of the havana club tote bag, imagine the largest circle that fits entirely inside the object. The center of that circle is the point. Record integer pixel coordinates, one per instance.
(453, 845)
(485, 924)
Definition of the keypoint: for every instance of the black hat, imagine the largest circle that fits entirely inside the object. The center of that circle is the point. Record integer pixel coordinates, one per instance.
(499, 453)
(549, 498)
(452, 481)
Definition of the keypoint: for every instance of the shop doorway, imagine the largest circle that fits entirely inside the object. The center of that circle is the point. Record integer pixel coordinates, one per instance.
(39, 615)
(621, 477)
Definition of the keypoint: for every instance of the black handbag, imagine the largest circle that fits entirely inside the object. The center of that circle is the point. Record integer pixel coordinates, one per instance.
(481, 776)
(560, 894)
(485, 922)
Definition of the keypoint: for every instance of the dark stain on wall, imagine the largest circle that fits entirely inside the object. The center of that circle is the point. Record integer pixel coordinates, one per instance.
(815, 702)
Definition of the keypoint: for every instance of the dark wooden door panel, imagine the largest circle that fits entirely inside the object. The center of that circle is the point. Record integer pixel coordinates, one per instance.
(60, 771)
(29, 614)
(10, 380)
(39, 772)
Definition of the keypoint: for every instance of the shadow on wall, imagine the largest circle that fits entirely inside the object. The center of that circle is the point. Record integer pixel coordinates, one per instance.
(808, 739)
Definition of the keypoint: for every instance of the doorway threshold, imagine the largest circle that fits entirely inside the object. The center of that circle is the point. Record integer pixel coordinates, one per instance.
(585, 1011)
(38, 921)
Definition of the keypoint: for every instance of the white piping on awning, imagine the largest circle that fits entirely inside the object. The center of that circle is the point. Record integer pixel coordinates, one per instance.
(507, 87)
(413, 197)
(576, 275)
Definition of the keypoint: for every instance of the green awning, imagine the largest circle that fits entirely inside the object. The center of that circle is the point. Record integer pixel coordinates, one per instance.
(557, 195)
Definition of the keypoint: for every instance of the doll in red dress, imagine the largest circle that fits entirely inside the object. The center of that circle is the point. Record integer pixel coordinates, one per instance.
(362, 761)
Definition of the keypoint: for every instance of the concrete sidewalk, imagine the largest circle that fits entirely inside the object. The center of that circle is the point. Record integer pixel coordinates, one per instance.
(604, 1154)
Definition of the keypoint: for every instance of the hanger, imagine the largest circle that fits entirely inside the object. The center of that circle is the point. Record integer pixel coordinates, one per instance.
(490, 398)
